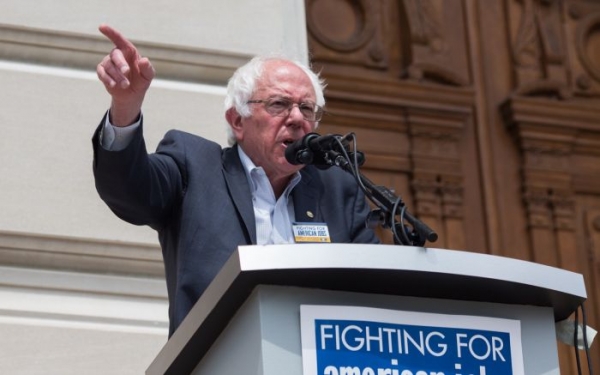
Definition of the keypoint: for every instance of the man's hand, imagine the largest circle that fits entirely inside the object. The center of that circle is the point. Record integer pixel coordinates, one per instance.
(126, 76)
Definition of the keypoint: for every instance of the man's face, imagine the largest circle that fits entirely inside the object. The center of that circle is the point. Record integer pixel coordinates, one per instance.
(264, 137)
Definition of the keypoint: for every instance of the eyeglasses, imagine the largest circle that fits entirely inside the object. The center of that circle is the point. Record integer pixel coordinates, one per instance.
(279, 106)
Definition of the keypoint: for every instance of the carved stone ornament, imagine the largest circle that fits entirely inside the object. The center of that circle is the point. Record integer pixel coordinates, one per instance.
(452, 199)
(416, 39)
(347, 31)
(592, 217)
(538, 50)
(433, 53)
(596, 223)
(355, 26)
(426, 191)
(537, 203)
(587, 42)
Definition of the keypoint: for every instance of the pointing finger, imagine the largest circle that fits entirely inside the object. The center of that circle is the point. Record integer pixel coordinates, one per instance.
(121, 43)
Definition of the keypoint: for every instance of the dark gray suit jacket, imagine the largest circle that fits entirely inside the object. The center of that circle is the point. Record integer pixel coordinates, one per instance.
(196, 195)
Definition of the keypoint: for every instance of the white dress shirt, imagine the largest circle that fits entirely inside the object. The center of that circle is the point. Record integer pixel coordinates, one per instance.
(274, 217)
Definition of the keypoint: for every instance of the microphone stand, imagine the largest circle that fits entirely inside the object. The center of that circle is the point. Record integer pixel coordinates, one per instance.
(388, 205)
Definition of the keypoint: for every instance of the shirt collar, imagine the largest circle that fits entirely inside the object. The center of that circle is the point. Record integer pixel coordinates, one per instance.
(250, 167)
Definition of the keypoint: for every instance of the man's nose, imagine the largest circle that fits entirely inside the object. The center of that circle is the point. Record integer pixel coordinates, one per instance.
(295, 116)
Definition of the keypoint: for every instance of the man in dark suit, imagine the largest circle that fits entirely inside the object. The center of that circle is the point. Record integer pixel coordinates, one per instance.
(205, 200)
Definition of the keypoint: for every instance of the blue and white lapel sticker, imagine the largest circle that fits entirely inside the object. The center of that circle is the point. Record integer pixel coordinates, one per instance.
(311, 232)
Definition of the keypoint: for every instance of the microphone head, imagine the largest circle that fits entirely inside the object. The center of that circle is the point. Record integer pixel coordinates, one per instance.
(298, 152)
(314, 148)
(298, 156)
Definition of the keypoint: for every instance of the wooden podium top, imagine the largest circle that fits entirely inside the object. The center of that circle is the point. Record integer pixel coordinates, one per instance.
(377, 269)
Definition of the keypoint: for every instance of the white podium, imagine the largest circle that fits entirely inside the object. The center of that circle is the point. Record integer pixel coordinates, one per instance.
(248, 320)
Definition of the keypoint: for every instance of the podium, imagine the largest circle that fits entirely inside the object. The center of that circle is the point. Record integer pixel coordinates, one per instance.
(248, 320)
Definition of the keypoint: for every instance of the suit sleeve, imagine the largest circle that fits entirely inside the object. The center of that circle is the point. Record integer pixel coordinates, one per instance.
(360, 232)
(138, 187)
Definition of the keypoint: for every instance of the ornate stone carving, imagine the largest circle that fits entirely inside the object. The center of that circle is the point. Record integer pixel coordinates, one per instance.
(352, 29)
(452, 198)
(563, 205)
(526, 49)
(537, 204)
(431, 40)
(425, 23)
(426, 191)
(355, 30)
(547, 150)
(556, 48)
(538, 50)
(437, 171)
(549, 209)
(416, 39)
(596, 223)
(592, 232)
(587, 43)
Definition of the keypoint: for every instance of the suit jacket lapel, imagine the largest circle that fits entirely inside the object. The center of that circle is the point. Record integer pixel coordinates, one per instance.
(237, 183)
(306, 197)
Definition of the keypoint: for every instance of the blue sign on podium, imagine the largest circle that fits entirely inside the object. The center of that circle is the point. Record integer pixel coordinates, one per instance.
(345, 340)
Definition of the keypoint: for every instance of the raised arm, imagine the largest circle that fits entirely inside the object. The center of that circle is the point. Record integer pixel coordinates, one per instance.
(126, 76)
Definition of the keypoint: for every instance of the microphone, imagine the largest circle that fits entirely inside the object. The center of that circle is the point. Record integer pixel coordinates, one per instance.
(312, 149)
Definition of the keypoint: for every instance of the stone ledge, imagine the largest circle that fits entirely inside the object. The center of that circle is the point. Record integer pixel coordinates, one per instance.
(85, 255)
(79, 282)
(81, 51)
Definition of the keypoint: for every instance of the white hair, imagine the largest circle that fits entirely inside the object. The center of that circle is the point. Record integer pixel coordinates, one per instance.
(241, 85)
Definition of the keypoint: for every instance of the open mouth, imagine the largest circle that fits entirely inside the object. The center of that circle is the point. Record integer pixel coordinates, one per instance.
(287, 142)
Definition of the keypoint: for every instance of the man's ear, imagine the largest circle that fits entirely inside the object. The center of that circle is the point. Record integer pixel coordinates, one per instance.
(235, 122)
(233, 117)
